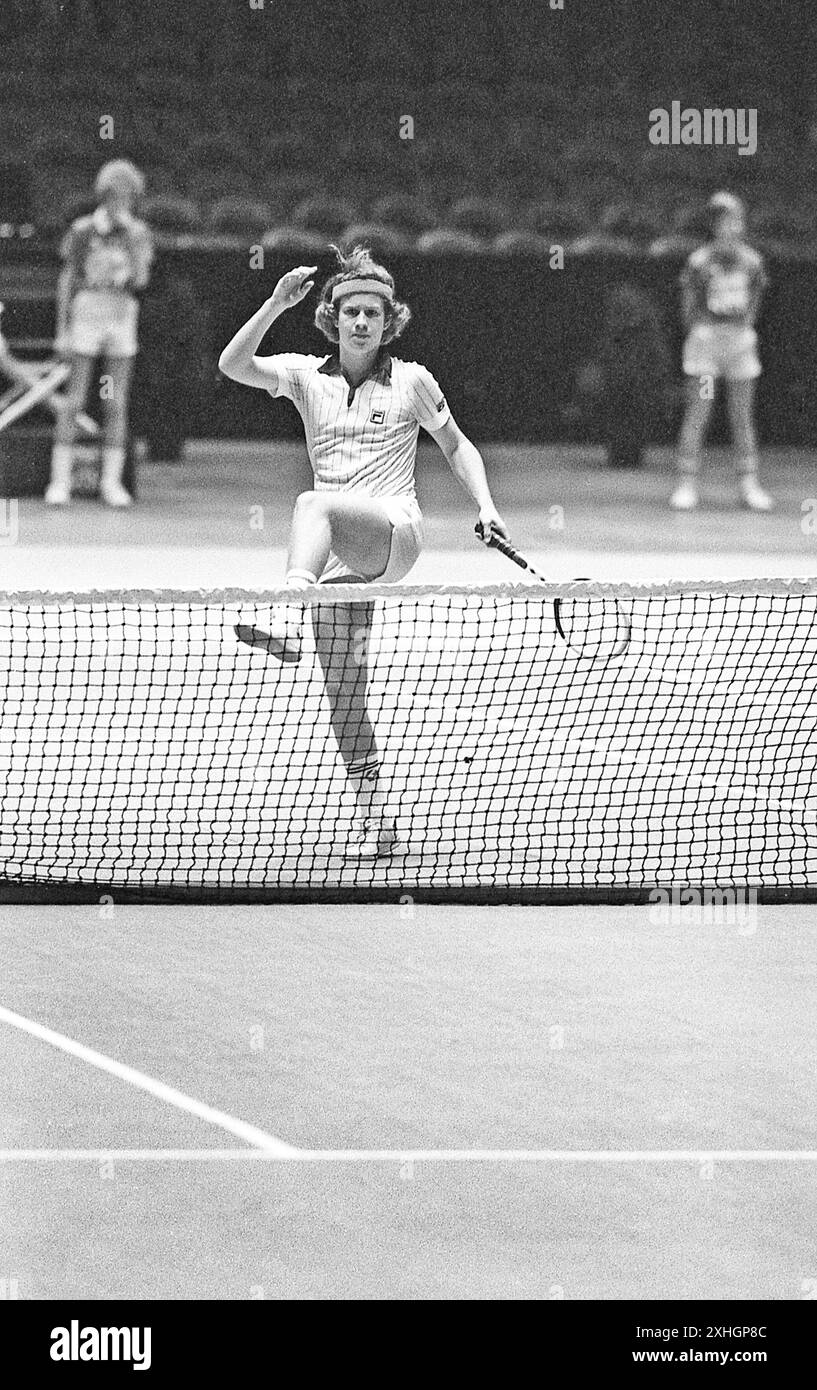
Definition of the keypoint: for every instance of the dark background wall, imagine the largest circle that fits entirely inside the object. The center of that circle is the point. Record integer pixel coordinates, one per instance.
(505, 335)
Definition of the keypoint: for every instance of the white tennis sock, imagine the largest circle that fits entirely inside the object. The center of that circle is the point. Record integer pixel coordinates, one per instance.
(364, 775)
(113, 464)
(687, 466)
(61, 460)
(300, 579)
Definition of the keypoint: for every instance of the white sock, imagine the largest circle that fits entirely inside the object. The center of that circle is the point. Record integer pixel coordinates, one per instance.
(300, 579)
(688, 469)
(113, 464)
(364, 775)
(61, 460)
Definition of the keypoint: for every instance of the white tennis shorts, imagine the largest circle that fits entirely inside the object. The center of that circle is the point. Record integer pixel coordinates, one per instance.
(725, 350)
(406, 543)
(103, 323)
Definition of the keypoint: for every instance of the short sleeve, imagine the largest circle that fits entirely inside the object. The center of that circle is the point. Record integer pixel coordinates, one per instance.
(69, 246)
(690, 276)
(290, 369)
(429, 404)
(143, 245)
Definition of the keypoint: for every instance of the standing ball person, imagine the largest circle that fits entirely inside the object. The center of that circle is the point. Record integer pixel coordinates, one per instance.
(722, 285)
(362, 410)
(107, 257)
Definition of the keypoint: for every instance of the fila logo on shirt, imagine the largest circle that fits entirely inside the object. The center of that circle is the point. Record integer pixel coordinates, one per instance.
(377, 417)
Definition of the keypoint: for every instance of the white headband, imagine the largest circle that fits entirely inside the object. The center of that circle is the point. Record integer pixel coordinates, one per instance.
(362, 285)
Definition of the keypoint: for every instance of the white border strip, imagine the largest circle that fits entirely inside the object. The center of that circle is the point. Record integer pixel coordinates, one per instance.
(281, 1154)
(360, 593)
(167, 1094)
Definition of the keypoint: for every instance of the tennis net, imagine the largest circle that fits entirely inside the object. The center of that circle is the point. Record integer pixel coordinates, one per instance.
(536, 743)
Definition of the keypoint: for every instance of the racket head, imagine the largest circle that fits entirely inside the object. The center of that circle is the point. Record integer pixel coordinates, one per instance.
(598, 627)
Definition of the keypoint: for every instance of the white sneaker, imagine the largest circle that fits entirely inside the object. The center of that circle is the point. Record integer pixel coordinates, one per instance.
(113, 494)
(373, 838)
(754, 497)
(57, 495)
(685, 497)
(282, 636)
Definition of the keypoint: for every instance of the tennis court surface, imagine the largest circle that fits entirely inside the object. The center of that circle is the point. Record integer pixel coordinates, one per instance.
(639, 1051)
(400, 1100)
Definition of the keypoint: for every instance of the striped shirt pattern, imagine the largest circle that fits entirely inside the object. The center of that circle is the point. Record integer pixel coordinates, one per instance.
(726, 288)
(107, 256)
(363, 440)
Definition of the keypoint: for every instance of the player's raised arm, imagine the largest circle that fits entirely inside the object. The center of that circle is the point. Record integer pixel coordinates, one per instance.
(238, 360)
(465, 462)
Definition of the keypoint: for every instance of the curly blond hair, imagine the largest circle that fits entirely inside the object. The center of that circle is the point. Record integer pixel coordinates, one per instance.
(355, 264)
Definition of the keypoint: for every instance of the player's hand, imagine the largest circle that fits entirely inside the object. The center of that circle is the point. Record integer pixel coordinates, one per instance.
(293, 286)
(490, 522)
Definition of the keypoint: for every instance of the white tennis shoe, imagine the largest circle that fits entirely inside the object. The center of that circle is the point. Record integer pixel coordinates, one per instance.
(685, 497)
(754, 497)
(373, 838)
(57, 495)
(282, 636)
(113, 494)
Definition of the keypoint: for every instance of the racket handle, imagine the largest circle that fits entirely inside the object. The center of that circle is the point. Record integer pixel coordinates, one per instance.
(505, 548)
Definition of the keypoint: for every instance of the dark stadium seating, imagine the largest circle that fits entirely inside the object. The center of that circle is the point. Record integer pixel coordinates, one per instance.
(239, 217)
(326, 216)
(480, 217)
(449, 241)
(520, 242)
(378, 236)
(512, 104)
(297, 240)
(173, 216)
(406, 212)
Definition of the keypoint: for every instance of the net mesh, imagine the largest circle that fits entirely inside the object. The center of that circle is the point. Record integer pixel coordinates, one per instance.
(534, 742)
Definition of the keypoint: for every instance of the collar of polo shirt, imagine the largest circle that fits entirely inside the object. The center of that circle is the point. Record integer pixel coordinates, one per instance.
(381, 367)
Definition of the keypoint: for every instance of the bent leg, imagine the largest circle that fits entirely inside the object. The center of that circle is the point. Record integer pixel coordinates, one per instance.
(342, 633)
(355, 527)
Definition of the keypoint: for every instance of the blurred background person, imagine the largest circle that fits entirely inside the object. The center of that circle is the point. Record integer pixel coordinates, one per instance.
(107, 257)
(722, 284)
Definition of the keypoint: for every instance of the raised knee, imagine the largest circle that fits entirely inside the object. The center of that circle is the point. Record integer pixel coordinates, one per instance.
(310, 502)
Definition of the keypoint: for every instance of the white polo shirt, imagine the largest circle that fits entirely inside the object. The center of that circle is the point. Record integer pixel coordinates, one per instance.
(364, 438)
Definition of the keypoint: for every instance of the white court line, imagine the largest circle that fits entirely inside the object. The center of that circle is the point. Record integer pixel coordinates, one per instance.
(282, 1153)
(157, 1089)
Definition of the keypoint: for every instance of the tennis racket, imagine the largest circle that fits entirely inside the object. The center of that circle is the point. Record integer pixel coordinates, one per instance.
(578, 622)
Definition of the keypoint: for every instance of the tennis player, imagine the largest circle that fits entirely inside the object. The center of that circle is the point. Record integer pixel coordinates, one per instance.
(362, 410)
(107, 258)
(722, 285)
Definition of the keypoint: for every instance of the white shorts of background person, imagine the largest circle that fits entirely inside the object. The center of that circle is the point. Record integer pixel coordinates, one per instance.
(722, 350)
(103, 323)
